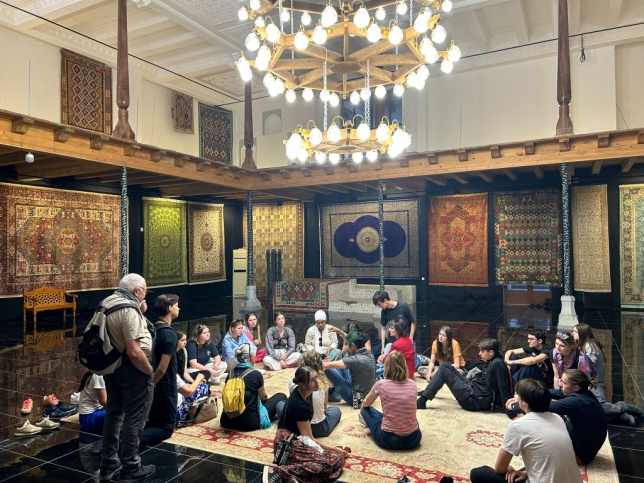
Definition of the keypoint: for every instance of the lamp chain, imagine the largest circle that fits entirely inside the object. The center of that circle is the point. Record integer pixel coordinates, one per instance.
(281, 20)
(411, 13)
(397, 45)
(292, 32)
(326, 118)
(367, 102)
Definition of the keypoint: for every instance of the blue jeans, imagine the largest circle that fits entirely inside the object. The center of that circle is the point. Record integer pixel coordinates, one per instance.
(385, 439)
(341, 380)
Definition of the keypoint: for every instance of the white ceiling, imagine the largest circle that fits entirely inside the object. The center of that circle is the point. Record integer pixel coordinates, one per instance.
(191, 45)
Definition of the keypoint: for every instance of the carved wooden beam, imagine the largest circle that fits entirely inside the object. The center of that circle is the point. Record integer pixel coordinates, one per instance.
(130, 150)
(510, 174)
(495, 152)
(628, 164)
(462, 154)
(156, 155)
(603, 140)
(21, 125)
(286, 174)
(265, 176)
(202, 165)
(459, 178)
(306, 172)
(597, 166)
(377, 166)
(180, 161)
(436, 180)
(538, 172)
(62, 135)
(353, 168)
(404, 162)
(528, 148)
(564, 144)
(329, 170)
(97, 142)
(640, 137)
(432, 158)
(484, 176)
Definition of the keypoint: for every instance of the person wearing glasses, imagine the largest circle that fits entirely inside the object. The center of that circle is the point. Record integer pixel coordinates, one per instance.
(203, 355)
(319, 338)
(532, 361)
(280, 346)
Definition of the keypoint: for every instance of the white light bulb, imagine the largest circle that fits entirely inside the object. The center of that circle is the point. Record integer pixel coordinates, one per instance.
(447, 66)
(255, 4)
(454, 53)
(380, 91)
(243, 65)
(399, 90)
(439, 34)
(302, 155)
(260, 22)
(334, 158)
(272, 33)
(263, 58)
(363, 132)
(361, 18)
(290, 95)
(394, 150)
(295, 141)
(446, 6)
(424, 45)
(398, 137)
(268, 80)
(357, 157)
(252, 42)
(406, 140)
(329, 16)
(423, 72)
(273, 92)
(380, 13)
(286, 16)
(325, 95)
(300, 41)
(242, 13)
(320, 158)
(315, 136)
(395, 35)
(382, 132)
(333, 134)
(365, 94)
(373, 33)
(420, 83)
(307, 94)
(334, 100)
(291, 153)
(319, 35)
(246, 75)
(412, 79)
(279, 85)
(306, 18)
(431, 54)
(372, 156)
(401, 7)
(354, 98)
(420, 24)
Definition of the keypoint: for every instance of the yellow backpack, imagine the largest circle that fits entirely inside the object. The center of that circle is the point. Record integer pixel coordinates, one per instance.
(232, 396)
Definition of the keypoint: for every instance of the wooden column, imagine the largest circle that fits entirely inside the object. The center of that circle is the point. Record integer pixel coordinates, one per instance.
(122, 128)
(249, 162)
(564, 123)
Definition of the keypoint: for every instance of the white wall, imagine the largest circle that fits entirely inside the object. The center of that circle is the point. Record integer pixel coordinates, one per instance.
(629, 71)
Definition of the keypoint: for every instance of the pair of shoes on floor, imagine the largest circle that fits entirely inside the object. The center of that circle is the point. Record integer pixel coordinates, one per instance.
(46, 423)
(335, 397)
(422, 371)
(27, 406)
(50, 400)
(404, 479)
(271, 475)
(141, 474)
(361, 419)
(60, 410)
(27, 429)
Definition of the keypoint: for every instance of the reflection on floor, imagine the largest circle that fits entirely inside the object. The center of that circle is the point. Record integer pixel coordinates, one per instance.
(63, 454)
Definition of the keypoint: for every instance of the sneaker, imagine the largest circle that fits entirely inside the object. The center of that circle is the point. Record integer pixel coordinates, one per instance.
(27, 406)
(627, 420)
(271, 475)
(143, 473)
(59, 413)
(97, 448)
(27, 429)
(424, 360)
(50, 400)
(422, 371)
(60, 407)
(107, 474)
(361, 419)
(46, 423)
(334, 397)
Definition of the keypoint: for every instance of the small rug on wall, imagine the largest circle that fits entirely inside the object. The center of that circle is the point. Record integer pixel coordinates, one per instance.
(215, 133)
(528, 231)
(206, 242)
(85, 93)
(458, 240)
(591, 258)
(277, 227)
(183, 119)
(307, 294)
(454, 441)
(467, 334)
(632, 350)
(349, 236)
(58, 238)
(164, 244)
(631, 248)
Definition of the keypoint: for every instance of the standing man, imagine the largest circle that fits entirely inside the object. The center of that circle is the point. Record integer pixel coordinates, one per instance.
(392, 310)
(130, 387)
(536, 364)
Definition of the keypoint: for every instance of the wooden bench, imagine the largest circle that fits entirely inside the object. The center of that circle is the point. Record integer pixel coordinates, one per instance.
(47, 298)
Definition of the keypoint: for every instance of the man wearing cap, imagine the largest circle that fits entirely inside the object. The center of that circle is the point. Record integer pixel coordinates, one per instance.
(319, 338)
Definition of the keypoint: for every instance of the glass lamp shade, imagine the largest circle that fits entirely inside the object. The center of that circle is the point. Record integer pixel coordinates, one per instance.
(320, 157)
(380, 13)
(290, 95)
(424, 45)
(357, 157)
(454, 53)
(272, 33)
(334, 134)
(246, 76)
(399, 90)
(394, 150)
(319, 35)
(291, 153)
(420, 24)
(325, 95)
(263, 58)
(372, 155)
(295, 141)
(363, 132)
(306, 18)
(401, 7)
(329, 16)
(361, 18)
(307, 94)
(380, 91)
(365, 94)
(382, 132)
(412, 79)
(334, 158)
(268, 80)
(273, 92)
(334, 99)
(373, 33)
(420, 83)
(255, 4)
(260, 22)
(447, 66)
(242, 13)
(423, 72)
(243, 65)
(395, 35)
(315, 136)
(446, 6)
(300, 41)
(279, 85)
(439, 34)
(286, 15)
(252, 42)
(354, 98)
(431, 54)
(302, 155)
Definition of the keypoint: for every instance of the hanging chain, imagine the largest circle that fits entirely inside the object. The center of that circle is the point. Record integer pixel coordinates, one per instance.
(326, 114)
(367, 102)
(411, 13)
(292, 32)
(281, 20)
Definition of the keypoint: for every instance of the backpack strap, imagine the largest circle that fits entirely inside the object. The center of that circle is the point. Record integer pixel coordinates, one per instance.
(113, 309)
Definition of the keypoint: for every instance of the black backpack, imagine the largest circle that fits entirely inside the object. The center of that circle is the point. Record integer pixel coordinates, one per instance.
(95, 351)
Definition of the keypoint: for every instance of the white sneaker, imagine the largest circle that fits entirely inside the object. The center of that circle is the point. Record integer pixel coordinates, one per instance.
(361, 419)
(27, 429)
(262, 371)
(215, 380)
(45, 423)
(75, 398)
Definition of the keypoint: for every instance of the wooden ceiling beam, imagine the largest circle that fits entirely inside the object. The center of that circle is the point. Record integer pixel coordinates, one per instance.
(436, 180)
(510, 174)
(629, 163)
(484, 176)
(597, 166)
(461, 179)
(538, 172)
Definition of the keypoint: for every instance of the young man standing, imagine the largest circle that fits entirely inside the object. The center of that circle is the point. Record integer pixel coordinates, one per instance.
(392, 310)
(536, 365)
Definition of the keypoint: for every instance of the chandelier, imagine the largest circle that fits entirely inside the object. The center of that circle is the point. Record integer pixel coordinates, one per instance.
(348, 34)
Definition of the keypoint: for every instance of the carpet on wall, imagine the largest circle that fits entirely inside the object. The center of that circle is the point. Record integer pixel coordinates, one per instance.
(454, 441)
(467, 334)
(632, 349)
(164, 242)
(183, 119)
(349, 239)
(457, 237)
(85, 93)
(277, 227)
(206, 243)
(528, 233)
(591, 258)
(215, 133)
(58, 238)
(631, 248)
(305, 294)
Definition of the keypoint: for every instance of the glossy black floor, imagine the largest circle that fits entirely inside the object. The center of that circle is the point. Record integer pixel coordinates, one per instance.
(65, 455)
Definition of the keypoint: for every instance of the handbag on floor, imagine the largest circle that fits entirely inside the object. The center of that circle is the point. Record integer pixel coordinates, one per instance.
(203, 410)
(283, 451)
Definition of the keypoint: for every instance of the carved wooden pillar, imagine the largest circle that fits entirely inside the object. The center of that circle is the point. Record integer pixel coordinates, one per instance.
(249, 162)
(122, 128)
(564, 123)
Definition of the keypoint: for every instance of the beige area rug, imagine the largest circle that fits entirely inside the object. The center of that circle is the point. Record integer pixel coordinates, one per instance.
(454, 441)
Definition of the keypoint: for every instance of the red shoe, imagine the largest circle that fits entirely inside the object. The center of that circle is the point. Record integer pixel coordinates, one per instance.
(50, 400)
(27, 406)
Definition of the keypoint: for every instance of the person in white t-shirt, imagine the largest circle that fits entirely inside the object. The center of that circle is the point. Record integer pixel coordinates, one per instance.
(540, 437)
(93, 398)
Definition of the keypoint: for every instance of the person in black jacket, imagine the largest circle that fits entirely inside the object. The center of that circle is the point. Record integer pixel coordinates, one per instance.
(486, 386)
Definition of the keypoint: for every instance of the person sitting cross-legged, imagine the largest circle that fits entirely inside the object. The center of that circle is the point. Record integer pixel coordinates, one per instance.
(540, 437)
(536, 364)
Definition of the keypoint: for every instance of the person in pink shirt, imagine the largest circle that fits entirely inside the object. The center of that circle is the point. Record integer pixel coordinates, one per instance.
(396, 427)
(398, 330)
